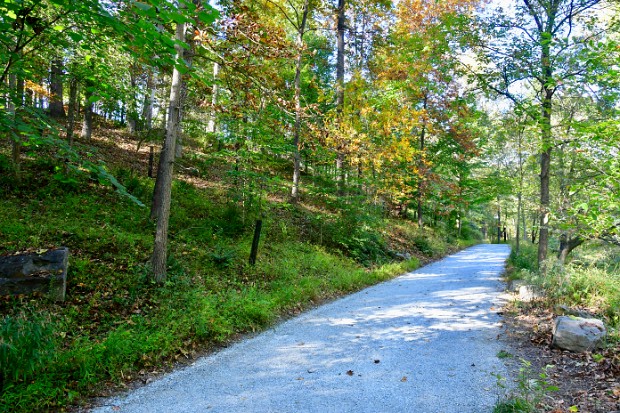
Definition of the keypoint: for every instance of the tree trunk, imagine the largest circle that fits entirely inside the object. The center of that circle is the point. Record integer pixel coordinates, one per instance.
(518, 236)
(87, 124)
(56, 109)
(73, 89)
(132, 112)
(149, 100)
(214, 98)
(545, 166)
(16, 86)
(420, 194)
(188, 57)
(301, 30)
(165, 171)
(340, 157)
(567, 245)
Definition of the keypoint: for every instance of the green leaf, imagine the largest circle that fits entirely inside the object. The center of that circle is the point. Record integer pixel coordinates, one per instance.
(11, 14)
(76, 37)
(58, 27)
(142, 6)
(208, 16)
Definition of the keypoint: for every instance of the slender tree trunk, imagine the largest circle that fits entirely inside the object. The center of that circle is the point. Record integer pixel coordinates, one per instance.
(301, 30)
(520, 193)
(499, 222)
(188, 58)
(15, 102)
(56, 109)
(340, 157)
(545, 166)
(87, 123)
(149, 100)
(421, 178)
(165, 172)
(518, 236)
(73, 89)
(214, 99)
(132, 112)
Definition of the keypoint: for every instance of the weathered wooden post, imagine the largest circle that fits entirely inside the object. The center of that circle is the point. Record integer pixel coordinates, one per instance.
(254, 251)
(151, 158)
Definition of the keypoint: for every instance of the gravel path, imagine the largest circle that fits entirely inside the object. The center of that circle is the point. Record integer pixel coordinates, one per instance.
(425, 342)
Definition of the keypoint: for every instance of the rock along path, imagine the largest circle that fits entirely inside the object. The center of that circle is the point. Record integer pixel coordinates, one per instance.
(425, 342)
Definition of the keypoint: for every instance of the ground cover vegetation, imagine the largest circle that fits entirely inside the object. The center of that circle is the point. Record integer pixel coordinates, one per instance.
(363, 137)
(588, 286)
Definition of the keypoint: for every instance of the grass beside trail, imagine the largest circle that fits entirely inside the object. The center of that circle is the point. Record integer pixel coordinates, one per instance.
(589, 280)
(116, 325)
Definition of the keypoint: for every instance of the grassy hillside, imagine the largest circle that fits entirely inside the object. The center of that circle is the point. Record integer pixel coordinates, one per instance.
(116, 325)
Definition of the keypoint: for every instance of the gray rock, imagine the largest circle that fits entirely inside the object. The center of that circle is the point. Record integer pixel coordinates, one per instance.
(405, 256)
(514, 285)
(31, 272)
(566, 310)
(577, 334)
(530, 293)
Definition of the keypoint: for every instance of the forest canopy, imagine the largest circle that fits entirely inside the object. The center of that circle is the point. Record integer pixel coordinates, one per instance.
(494, 114)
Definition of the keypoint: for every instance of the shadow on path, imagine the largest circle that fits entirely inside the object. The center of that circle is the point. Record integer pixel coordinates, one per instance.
(425, 342)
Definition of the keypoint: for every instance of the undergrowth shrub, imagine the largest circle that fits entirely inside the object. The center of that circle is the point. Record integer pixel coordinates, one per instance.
(356, 234)
(526, 259)
(470, 232)
(576, 283)
(27, 343)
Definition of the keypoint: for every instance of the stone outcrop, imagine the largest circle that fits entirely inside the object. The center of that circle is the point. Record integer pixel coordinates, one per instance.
(44, 271)
(577, 334)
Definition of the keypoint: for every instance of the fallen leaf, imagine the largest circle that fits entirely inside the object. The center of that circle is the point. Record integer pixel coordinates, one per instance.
(404, 379)
(350, 372)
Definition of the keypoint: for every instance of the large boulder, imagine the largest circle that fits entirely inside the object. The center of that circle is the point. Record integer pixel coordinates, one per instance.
(577, 334)
(43, 271)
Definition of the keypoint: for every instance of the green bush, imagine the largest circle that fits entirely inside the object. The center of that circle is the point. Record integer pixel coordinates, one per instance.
(27, 343)
(526, 259)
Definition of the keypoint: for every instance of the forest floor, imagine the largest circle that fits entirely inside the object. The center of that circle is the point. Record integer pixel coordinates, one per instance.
(587, 382)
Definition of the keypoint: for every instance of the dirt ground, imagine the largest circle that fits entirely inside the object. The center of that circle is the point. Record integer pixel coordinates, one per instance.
(588, 382)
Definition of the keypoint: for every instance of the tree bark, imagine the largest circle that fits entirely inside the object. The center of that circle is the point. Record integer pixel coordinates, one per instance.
(567, 245)
(15, 103)
(132, 112)
(73, 89)
(165, 171)
(545, 166)
(340, 156)
(56, 108)
(301, 30)
(87, 123)
(420, 194)
(211, 126)
(149, 100)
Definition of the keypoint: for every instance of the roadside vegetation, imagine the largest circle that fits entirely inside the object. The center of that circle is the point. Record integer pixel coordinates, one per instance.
(590, 281)
(117, 325)
(551, 380)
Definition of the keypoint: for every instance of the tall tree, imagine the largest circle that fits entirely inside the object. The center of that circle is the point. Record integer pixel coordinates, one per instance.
(301, 27)
(539, 45)
(166, 164)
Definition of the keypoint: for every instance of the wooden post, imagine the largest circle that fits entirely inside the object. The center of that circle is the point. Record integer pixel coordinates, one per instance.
(151, 158)
(254, 251)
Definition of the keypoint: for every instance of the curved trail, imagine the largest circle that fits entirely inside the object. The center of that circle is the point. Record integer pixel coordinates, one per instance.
(425, 342)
